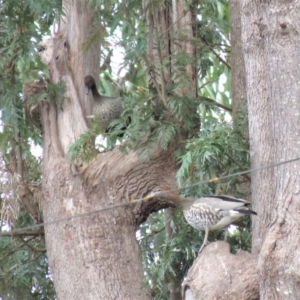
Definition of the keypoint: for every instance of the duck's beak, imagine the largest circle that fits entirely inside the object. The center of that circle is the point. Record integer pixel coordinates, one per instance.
(149, 196)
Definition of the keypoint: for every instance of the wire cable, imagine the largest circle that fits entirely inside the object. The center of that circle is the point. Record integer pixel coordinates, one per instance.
(133, 201)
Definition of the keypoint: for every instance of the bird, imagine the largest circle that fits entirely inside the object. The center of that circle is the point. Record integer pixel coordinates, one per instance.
(205, 213)
(105, 109)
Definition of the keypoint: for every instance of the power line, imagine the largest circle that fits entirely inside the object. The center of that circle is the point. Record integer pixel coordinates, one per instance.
(133, 201)
(244, 172)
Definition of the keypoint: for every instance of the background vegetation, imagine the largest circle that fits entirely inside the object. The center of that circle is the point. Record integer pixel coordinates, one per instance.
(213, 149)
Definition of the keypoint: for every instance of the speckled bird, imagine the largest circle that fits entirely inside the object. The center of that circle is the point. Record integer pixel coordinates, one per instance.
(105, 109)
(206, 213)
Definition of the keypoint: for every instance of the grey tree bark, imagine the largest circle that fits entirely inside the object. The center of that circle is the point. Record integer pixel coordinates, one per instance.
(96, 256)
(270, 32)
(238, 72)
(218, 274)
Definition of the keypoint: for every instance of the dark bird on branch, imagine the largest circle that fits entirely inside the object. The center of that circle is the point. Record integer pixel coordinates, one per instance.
(105, 109)
(206, 213)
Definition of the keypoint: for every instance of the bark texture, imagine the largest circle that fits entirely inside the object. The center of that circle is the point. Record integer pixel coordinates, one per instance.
(238, 86)
(184, 23)
(238, 72)
(96, 256)
(271, 40)
(223, 275)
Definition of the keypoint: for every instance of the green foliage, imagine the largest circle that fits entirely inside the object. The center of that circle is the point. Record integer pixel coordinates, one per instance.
(163, 259)
(159, 111)
(185, 110)
(151, 124)
(83, 148)
(56, 92)
(218, 151)
(24, 271)
(22, 25)
(168, 259)
(149, 128)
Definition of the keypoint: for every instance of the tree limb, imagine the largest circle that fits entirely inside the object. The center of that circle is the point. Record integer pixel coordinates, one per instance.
(238, 164)
(216, 103)
(218, 274)
(220, 58)
(34, 249)
(23, 233)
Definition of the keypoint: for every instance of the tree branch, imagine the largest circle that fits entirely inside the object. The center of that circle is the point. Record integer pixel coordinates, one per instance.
(216, 103)
(217, 55)
(217, 272)
(239, 165)
(23, 233)
(34, 249)
(220, 58)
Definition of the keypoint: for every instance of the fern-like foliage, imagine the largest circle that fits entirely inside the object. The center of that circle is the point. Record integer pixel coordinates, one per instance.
(219, 150)
(84, 148)
(24, 271)
(165, 259)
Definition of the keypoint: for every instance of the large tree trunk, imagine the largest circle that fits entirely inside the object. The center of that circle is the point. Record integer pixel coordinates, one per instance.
(95, 256)
(271, 43)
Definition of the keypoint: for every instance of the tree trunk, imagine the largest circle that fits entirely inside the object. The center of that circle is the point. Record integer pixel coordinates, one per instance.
(271, 44)
(238, 72)
(238, 86)
(95, 256)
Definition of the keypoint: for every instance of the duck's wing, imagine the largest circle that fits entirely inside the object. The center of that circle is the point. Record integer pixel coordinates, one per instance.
(223, 202)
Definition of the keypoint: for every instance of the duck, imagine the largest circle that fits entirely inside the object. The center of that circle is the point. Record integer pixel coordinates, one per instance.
(105, 109)
(205, 213)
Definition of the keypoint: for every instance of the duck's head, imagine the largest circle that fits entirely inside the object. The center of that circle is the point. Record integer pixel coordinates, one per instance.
(89, 83)
(158, 191)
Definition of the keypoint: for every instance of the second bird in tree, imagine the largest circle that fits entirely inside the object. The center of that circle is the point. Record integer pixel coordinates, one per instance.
(105, 109)
(206, 213)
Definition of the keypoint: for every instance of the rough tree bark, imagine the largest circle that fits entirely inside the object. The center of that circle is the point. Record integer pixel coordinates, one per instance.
(96, 256)
(238, 72)
(218, 274)
(238, 86)
(271, 40)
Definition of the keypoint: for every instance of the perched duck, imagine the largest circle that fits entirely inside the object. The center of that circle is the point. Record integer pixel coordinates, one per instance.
(105, 109)
(206, 213)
